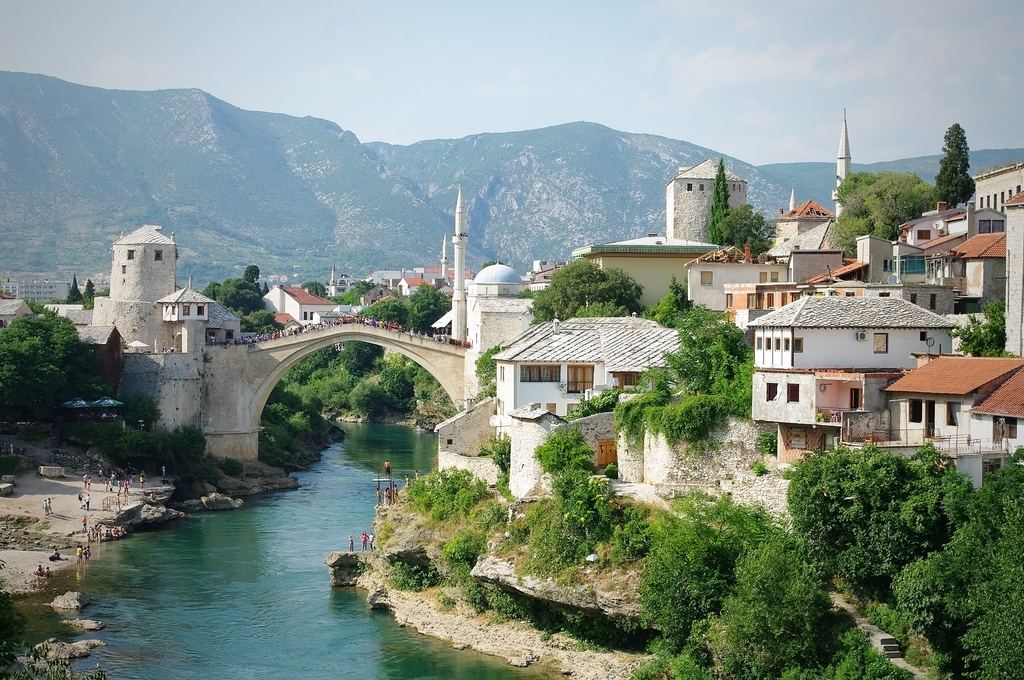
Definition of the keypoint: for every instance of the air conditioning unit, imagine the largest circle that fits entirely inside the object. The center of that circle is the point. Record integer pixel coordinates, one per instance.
(861, 335)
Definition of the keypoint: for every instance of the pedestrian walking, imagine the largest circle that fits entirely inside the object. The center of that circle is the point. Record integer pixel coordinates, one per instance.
(88, 499)
(85, 523)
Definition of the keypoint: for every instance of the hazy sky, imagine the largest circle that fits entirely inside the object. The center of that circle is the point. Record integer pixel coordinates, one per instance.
(762, 81)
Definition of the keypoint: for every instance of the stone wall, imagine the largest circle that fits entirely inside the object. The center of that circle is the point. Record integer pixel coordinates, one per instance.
(865, 426)
(767, 491)
(464, 433)
(525, 471)
(482, 468)
(597, 426)
(671, 468)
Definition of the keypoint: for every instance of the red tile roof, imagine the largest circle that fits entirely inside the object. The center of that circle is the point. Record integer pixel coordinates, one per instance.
(1006, 400)
(809, 209)
(839, 272)
(982, 245)
(1016, 200)
(284, 319)
(303, 297)
(956, 375)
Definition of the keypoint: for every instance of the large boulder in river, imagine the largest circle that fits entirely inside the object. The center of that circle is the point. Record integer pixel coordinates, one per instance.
(71, 601)
(343, 568)
(55, 649)
(84, 624)
(218, 501)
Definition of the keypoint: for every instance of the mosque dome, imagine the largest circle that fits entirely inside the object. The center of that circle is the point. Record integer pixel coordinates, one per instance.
(498, 274)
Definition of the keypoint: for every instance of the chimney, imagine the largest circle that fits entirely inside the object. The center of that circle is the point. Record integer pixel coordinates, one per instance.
(941, 206)
(746, 253)
(972, 220)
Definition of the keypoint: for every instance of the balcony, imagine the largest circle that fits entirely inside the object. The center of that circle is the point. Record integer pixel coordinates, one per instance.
(578, 386)
(833, 415)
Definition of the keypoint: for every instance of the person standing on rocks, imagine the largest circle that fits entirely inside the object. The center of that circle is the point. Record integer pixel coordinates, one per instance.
(142, 480)
(351, 543)
(371, 541)
(364, 538)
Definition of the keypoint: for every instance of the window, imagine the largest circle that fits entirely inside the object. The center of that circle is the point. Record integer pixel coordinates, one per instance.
(625, 380)
(760, 341)
(707, 278)
(923, 336)
(793, 392)
(913, 298)
(540, 373)
(785, 344)
(186, 310)
(849, 293)
(798, 345)
(1004, 428)
(881, 343)
(884, 294)
(952, 413)
(501, 373)
(798, 437)
(775, 277)
(750, 300)
(552, 408)
(728, 300)
(449, 442)
(778, 344)
(998, 225)
(199, 310)
(984, 226)
(701, 187)
(931, 301)
(769, 301)
(771, 392)
(158, 255)
(924, 234)
(854, 397)
(916, 410)
(124, 269)
(581, 378)
(689, 186)
(571, 406)
(131, 254)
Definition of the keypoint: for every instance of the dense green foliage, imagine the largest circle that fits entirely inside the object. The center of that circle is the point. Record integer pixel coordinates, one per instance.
(12, 625)
(582, 284)
(447, 494)
(954, 184)
(743, 226)
(719, 205)
(565, 449)
(866, 514)
(602, 402)
(426, 306)
(244, 297)
(487, 373)
(390, 310)
(984, 338)
(878, 204)
(670, 308)
(43, 364)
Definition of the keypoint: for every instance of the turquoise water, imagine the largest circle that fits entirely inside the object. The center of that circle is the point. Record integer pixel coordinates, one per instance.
(244, 594)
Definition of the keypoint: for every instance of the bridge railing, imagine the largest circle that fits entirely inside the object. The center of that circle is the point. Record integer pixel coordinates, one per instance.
(253, 342)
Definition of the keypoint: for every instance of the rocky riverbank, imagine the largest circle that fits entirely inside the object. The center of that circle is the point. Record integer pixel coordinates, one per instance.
(440, 612)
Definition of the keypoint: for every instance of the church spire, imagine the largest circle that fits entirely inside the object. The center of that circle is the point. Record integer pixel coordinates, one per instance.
(842, 163)
(792, 199)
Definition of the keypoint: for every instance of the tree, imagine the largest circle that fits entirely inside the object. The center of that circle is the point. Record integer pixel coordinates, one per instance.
(878, 204)
(397, 388)
(251, 274)
(719, 205)
(43, 363)
(565, 449)
(314, 288)
(711, 350)
(426, 306)
(954, 184)
(582, 283)
(984, 339)
(487, 373)
(777, 617)
(240, 296)
(12, 625)
(668, 309)
(743, 227)
(260, 321)
(89, 293)
(74, 294)
(358, 358)
(390, 311)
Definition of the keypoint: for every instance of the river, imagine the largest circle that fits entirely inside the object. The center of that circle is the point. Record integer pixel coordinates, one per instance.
(245, 594)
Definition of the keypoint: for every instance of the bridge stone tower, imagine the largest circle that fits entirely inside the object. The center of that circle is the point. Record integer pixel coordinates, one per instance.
(459, 289)
(688, 200)
(144, 266)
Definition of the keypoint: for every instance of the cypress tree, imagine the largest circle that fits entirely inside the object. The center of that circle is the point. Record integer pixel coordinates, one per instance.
(719, 205)
(953, 184)
(90, 291)
(74, 294)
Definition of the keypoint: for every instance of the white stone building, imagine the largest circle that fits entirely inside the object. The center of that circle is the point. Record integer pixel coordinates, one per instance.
(688, 200)
(556, 364)
(994, 187)
(11, 310)
(301, 305)
(820, 361)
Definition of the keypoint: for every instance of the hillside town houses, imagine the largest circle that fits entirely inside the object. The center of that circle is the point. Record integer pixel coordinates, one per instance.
(848, 351)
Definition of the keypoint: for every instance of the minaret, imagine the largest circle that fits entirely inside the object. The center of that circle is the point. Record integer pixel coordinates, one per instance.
(444, 259)
(459, 293)
(792, 199)
(842, 164)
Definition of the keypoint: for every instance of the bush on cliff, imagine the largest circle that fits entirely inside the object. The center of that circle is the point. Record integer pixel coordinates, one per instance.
(565, 449)
(447, 494)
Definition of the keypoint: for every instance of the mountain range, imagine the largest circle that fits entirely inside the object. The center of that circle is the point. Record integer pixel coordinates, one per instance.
(80, 165)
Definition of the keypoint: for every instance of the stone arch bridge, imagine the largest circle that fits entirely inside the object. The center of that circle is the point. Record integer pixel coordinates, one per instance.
(237, 380)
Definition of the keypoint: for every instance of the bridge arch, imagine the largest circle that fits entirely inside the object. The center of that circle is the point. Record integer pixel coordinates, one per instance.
(276, 357)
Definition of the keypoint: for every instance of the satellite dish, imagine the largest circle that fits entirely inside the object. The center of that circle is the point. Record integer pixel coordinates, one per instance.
(893, 279)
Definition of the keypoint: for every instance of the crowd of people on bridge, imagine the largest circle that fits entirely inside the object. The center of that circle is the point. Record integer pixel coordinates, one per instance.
(257, 338)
